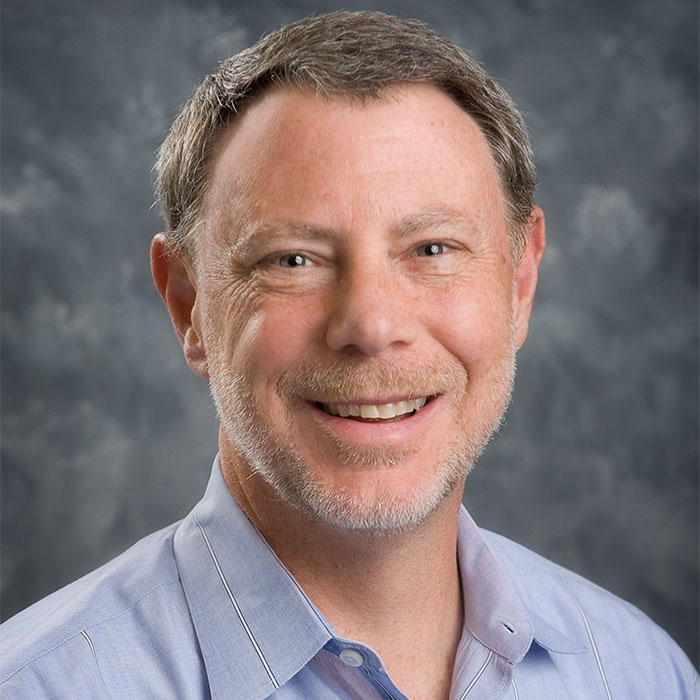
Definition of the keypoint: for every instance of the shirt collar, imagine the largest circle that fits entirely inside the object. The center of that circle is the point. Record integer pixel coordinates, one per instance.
(499, 609)
(249, 611)
(246, 607)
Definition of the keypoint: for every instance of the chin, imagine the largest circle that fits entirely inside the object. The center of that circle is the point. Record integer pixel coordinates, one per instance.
(380, 513)
(377, 496)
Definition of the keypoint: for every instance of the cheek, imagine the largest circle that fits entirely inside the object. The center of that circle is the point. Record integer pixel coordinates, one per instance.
(473, 321)
(232, 318)
(264, 337)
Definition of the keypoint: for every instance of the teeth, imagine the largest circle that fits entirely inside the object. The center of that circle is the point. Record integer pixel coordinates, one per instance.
(385, 411)
(369, 411)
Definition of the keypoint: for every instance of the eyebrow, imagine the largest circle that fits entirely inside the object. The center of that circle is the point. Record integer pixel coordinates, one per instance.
(432, 218)
(251, 236)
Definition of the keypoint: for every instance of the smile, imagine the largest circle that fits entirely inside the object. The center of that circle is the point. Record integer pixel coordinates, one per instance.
(375, 413)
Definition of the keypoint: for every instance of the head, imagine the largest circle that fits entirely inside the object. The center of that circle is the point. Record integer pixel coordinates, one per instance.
(351, 257)
(356, 55)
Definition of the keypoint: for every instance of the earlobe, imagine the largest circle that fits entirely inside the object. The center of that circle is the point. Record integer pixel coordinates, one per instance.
(195, 353)
(177, 287)
(526, 273)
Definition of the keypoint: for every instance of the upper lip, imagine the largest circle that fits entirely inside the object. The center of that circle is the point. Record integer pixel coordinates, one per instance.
(362, 401)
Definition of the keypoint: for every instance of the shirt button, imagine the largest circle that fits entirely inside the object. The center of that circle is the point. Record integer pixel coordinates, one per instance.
(351, 657)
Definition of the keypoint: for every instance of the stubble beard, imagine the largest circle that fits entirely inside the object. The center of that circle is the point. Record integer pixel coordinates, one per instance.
(383, 513)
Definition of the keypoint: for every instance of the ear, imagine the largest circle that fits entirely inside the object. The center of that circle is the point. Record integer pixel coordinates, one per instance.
(177, 287)
(526, 274)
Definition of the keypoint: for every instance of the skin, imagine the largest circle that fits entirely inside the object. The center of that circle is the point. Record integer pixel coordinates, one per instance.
(358, 194)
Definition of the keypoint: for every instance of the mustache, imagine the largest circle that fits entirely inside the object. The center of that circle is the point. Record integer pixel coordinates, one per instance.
(349, 378)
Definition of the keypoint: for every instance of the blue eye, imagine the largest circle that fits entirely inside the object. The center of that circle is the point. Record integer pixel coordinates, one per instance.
(293, 260)
(430, 249)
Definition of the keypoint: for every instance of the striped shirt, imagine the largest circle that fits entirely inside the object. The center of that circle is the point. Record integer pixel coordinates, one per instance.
(204, 609)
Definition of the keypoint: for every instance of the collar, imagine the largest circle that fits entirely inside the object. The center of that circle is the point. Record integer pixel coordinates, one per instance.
(532, 581)
(248, 610)
(492, 612)
(246, 607)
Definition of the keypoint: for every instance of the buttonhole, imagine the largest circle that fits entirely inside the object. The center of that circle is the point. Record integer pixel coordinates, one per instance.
(508, 627)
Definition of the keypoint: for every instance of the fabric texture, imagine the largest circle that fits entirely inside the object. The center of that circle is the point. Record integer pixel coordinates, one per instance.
(204, 609)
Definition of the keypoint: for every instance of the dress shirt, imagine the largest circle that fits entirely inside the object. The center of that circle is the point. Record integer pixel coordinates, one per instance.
(205, 609)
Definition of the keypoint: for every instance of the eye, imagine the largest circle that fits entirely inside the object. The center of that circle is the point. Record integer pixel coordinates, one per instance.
(293, 260)
(430, 249)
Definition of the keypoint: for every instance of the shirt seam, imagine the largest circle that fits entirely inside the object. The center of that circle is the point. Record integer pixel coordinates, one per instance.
(85, 629)
(479, 673)
(589, 631)
(515, 687)
(504, 682)
(239, 613)
(376, 681)
(470, 653)
(87, 638)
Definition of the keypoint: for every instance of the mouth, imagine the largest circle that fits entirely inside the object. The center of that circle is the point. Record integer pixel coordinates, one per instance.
(375, 413)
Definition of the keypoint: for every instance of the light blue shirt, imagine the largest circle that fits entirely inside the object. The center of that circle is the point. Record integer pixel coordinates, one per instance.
(204, 609)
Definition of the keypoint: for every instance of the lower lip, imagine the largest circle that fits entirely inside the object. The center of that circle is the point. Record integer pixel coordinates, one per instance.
(361, 431)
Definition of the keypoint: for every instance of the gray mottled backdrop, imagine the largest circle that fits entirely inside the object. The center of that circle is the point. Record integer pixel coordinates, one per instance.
(106, 434)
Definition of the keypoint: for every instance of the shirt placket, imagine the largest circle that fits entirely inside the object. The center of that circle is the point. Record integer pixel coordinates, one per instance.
(365, 662)
(480, 673)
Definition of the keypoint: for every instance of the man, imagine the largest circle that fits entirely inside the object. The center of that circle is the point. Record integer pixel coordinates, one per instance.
(350, 259)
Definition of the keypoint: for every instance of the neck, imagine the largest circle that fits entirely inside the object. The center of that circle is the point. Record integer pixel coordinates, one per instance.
(400, 594)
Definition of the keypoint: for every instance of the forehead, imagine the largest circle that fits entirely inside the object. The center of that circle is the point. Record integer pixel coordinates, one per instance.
(342, 163)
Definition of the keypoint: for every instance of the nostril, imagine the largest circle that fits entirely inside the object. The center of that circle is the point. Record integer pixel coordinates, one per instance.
(369, 330)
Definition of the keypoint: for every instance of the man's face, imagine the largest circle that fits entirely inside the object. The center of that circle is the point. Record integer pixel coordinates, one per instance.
(355, 260)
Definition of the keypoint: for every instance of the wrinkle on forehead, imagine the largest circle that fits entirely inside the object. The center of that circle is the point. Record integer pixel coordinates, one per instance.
(232, 209)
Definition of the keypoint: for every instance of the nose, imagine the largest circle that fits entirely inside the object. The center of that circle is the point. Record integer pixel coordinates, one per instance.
(371, 312)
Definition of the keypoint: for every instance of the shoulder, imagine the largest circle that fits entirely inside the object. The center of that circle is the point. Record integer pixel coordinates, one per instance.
(558, 593)
(123, 603)
(623, 639)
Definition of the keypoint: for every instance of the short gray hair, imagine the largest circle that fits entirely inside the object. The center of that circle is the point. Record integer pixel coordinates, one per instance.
(359, 55)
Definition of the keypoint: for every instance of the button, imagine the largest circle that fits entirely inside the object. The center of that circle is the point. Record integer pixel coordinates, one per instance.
(351, 657)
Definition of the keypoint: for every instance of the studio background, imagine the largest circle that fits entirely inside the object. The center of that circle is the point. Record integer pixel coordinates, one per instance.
(107, 436)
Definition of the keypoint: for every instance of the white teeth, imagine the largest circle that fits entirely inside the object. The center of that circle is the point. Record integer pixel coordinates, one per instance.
(385, 411)
(369, 411)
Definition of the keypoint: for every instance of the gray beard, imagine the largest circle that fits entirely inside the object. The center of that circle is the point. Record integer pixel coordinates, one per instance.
(286, 472)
